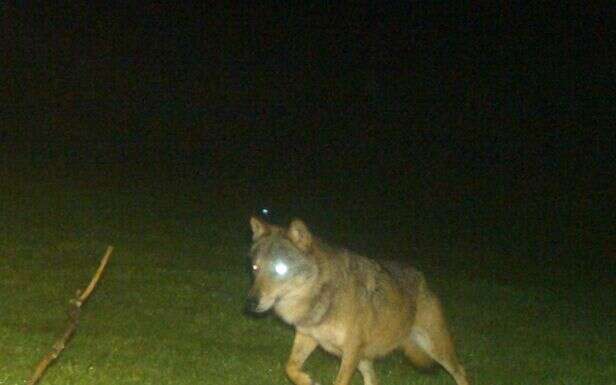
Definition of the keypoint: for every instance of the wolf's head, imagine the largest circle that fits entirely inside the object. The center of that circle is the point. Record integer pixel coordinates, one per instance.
(281, 264)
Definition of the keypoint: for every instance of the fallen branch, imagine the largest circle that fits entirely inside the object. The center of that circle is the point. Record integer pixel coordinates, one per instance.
(73, 315)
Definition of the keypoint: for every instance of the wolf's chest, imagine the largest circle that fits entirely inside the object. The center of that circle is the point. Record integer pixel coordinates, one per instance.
(330, 337)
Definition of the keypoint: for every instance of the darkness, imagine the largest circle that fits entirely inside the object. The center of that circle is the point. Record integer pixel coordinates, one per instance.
(480, 124)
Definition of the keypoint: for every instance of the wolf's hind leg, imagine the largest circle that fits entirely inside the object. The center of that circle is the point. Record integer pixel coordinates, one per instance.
(416, 354)
(303, 346)
(431, 335)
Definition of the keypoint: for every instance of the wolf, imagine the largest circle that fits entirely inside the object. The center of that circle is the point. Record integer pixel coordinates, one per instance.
(348, 304)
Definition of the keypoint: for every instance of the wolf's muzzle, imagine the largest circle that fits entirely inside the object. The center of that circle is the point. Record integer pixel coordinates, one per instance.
(251, 305)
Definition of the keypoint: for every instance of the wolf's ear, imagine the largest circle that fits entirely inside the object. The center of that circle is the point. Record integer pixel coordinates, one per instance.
(259, 228)
(299, 234)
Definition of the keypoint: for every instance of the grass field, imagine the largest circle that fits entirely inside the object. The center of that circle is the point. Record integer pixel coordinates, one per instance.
(169, 308)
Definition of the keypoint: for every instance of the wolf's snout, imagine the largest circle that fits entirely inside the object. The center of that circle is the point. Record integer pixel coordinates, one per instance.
(251, 305)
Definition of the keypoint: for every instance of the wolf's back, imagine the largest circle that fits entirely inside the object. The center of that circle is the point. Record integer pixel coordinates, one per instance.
(411, 280)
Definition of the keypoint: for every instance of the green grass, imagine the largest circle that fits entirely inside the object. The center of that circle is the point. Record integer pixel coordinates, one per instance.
(169, 307)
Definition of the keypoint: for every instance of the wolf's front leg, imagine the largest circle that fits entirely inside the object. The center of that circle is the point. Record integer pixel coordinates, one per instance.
(348, 365)
(367, 371)
(303, 346)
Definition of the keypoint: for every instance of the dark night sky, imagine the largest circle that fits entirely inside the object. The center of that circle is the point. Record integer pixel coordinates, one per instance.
(388, 99)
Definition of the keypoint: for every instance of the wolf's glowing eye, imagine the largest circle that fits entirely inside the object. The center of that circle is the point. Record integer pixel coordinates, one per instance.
(281, 268)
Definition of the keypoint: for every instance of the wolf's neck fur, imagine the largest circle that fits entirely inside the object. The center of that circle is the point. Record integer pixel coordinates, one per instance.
(311, 305)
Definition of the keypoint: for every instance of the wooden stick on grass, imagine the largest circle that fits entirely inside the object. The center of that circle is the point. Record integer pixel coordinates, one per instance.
(73, 314)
